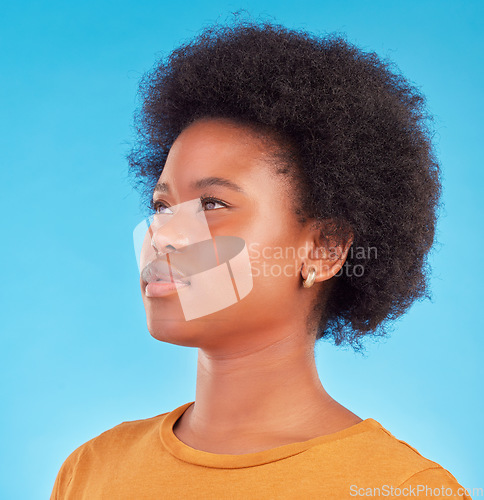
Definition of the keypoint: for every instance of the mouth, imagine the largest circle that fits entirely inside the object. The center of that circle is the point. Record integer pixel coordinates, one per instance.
(163, 288)
(160, 279)
(170, 279)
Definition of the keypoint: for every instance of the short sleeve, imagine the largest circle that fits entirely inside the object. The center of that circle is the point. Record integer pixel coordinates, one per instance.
(65, 474)
(436, 482)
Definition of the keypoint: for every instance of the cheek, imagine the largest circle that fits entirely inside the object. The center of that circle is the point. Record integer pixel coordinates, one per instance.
(275, 271)
(276, 282)
(271, 301)
(276, 261)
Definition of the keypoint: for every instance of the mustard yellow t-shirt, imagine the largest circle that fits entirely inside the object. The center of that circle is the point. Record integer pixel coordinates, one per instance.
(144, 459)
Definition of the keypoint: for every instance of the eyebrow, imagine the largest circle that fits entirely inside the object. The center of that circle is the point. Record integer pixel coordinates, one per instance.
(163, 187)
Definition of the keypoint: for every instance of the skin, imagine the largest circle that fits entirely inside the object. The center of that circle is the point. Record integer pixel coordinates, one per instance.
(257, 383)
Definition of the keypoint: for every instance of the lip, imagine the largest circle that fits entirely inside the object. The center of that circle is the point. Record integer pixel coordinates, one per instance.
(166, 278)
(162, 279)
(160, 271)
(175, 275)
(163, 288)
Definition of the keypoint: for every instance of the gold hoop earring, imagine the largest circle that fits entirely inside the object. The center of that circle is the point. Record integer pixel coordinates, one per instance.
(309, 281)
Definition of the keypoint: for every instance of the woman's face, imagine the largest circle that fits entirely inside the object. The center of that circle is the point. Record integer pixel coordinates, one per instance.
(260, 212)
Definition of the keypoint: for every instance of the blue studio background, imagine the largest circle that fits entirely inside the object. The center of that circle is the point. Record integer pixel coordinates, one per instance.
(76, 355)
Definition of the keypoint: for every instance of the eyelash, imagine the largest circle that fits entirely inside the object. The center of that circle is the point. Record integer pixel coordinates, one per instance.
(203, 199)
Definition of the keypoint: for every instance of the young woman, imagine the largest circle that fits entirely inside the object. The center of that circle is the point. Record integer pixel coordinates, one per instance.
(312, 160)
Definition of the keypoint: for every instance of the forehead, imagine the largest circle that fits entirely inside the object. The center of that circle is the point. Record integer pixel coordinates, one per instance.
(215, 147)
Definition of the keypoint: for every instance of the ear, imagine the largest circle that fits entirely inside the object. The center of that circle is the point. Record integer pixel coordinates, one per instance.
(328, 247)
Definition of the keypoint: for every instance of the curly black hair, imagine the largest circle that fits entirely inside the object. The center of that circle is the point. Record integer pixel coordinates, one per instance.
(356, 137)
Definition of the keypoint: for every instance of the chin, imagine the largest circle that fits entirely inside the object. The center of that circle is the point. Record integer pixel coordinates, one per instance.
(166, 322)
(184, 333)
(175, 338)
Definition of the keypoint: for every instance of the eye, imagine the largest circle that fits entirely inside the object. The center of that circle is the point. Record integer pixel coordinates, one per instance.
(208, 202)
(160, 208)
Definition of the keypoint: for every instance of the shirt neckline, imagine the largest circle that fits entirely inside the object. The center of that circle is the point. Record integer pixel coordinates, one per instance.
(184, 452)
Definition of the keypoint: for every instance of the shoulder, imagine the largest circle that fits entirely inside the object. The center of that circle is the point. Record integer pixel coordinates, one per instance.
(108, 443)
(434, 481)
(121, 435)
(422, 473)
(375, 458)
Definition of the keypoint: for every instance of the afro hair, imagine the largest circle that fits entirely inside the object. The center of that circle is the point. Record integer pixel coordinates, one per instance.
(361, 151)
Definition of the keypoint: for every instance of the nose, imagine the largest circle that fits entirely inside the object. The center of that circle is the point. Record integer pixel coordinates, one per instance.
(184, 226)
(169, 238)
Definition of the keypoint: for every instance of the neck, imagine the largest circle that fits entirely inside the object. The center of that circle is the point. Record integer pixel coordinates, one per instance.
(262, 394)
